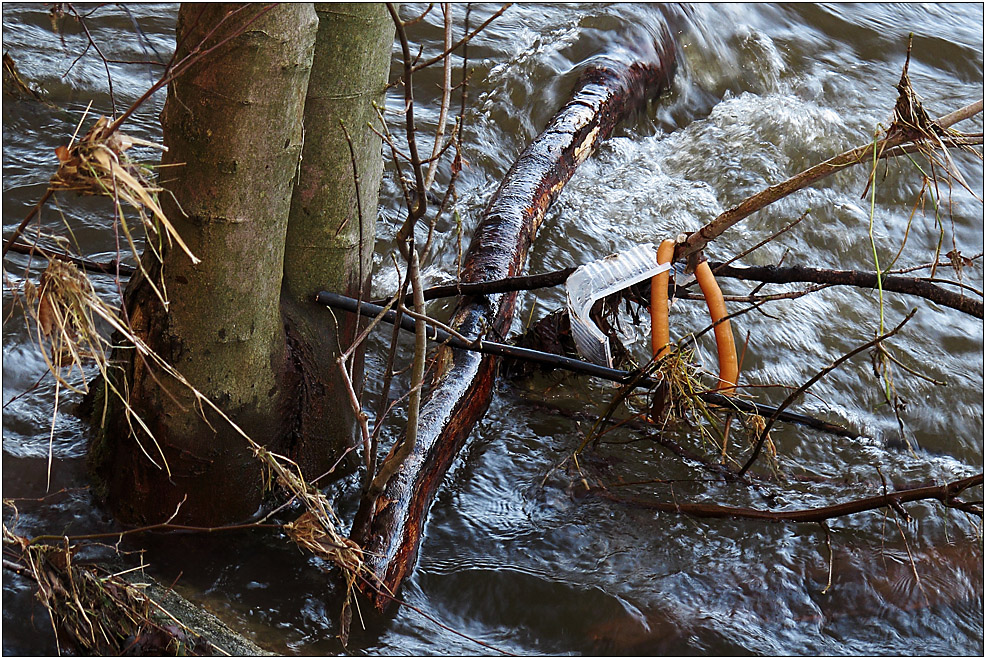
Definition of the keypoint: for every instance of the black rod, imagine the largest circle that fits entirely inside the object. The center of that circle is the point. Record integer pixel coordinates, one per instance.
(344, 303)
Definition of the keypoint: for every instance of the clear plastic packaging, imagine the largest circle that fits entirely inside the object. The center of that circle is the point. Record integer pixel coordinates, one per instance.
(598, 279)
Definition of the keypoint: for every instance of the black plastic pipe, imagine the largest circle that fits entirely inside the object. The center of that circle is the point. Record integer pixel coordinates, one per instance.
(344, 303)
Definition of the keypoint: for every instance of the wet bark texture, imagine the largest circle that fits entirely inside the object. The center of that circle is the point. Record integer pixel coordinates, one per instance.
(389, 528)
(328, 245)
(233, 126)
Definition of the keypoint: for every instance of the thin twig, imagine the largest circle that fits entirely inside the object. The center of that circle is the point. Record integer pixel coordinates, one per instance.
(106, 66)
(384, 406)
(194, 56)
(420, 202)
(464, 40)
(100, 267)
(446, 95)
(360, 247)
(763, 242)
(20, 227)
(818, 376)
(397, 457)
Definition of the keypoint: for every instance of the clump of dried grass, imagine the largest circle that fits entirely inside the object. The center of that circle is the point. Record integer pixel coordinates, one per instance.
(96, 611)
(911, 122)
(65, 310)
(317, 529)
(676, 395)
(64, 306)
(676, 400)
(98, 164)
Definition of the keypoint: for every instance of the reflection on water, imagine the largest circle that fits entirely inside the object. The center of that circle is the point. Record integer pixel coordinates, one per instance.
(509, 557)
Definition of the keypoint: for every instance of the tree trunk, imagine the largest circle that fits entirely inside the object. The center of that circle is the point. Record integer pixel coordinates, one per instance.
(233, 126)
(330, 234)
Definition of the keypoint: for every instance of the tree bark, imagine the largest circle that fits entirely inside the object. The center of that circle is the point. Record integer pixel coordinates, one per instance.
(233, 126)
(389, 527)
(330, 233)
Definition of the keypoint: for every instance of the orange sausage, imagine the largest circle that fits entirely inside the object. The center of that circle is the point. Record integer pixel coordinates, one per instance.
(728, 368)
(660, 335)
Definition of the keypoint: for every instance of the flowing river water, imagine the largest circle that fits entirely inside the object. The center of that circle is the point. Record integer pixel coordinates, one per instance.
(510, 556)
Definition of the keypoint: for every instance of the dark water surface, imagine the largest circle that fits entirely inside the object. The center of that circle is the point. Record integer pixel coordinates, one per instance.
(509, 556)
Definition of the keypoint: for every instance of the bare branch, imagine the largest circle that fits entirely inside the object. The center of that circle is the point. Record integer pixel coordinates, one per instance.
(420, 202)
(947, 494)
(699, 239)
(106, 268)
(464, 40)
(399, 454)
(446, 94)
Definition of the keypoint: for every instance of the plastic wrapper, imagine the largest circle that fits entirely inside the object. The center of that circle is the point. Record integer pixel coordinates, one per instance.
(598, 279)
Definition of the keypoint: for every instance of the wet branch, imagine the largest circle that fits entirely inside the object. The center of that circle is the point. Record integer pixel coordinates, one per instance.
(89, 265)
(389, 528)
(771, 274)
(860, 155)
(947, 494)
(859, 278)
(437, 334)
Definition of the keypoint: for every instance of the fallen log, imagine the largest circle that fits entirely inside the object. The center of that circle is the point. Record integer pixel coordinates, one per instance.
(389, 527)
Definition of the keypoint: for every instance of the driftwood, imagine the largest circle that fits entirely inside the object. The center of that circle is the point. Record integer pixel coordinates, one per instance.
(389, 527)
